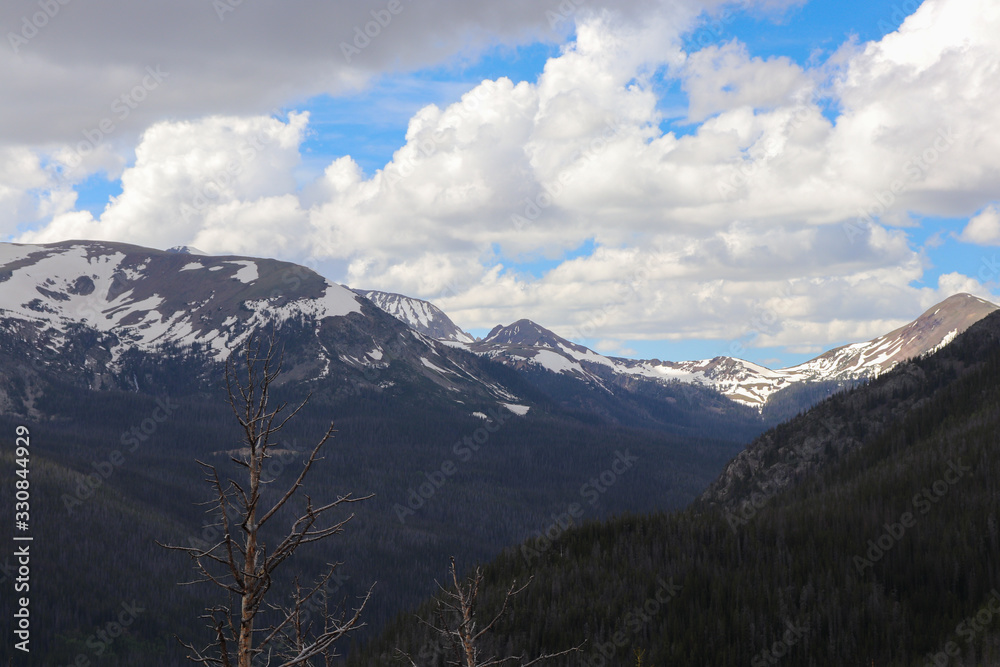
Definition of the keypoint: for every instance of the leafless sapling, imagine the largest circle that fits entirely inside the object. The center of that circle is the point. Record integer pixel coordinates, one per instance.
(456, 625)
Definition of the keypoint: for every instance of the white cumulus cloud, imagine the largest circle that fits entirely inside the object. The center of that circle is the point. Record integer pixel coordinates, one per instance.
(984, 228)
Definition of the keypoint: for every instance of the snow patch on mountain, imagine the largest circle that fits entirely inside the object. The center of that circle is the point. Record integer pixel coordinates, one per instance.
(555, 362)
(131, 293)
(431, 365)
(336, 301)
(419, 315)
(146, 298)
(952, 335)
(248, 273)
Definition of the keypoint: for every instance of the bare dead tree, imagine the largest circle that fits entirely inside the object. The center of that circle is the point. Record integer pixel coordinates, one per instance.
(241, 563)
(456, 623)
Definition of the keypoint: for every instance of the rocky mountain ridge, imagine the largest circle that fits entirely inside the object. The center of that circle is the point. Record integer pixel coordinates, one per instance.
(105, 315)
(139, 299)
(526, 343)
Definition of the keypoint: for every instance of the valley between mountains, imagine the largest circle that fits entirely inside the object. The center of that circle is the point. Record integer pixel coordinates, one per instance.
(113, 356)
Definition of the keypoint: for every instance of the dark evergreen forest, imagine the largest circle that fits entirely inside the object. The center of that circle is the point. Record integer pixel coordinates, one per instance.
(110, 477)
(888, 555)
(880, 551)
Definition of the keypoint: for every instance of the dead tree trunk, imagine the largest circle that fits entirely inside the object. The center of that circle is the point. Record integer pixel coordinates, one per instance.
(241, 562)
(457, 625)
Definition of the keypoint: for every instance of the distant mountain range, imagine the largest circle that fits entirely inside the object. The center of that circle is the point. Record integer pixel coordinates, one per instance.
(525, 342)
(95, 309)
(145, 300)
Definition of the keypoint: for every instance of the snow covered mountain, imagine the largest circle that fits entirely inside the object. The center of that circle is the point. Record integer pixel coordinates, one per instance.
(105, 315)
(147, 299)
(420, 315)
(931, 331)
(525, 343)
(91, 307)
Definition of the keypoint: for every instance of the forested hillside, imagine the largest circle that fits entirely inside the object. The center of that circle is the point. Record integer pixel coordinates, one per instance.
(103, 492)
(884, 550)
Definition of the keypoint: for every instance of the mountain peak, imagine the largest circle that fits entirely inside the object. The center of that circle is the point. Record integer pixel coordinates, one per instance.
(934, 329)
(525, 333)
(957, 312)
(525, 341)
(965, 302)
(421, 316)
(147, 298)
